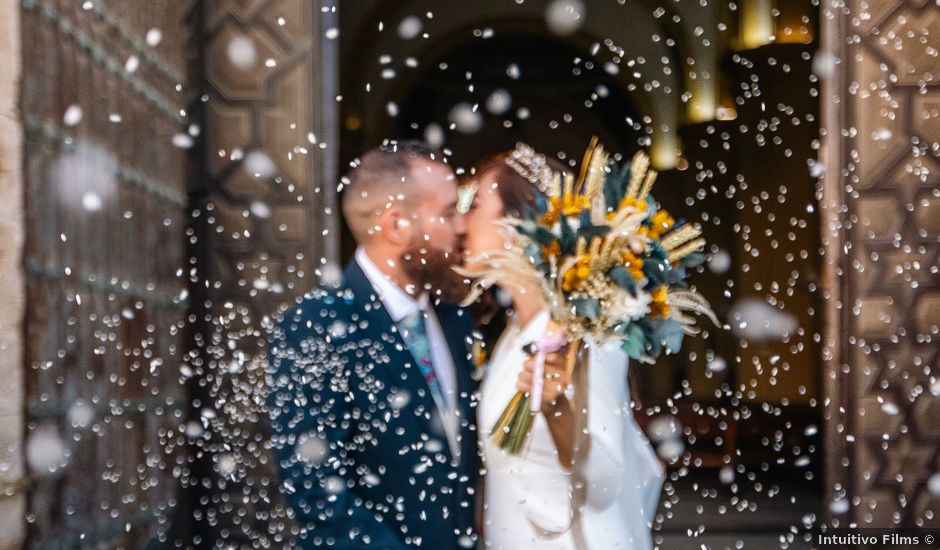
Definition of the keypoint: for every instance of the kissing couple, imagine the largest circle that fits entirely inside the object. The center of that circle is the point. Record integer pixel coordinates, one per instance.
(382, 393)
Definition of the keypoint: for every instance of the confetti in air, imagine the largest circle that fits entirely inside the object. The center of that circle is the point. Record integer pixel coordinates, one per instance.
(186, 354)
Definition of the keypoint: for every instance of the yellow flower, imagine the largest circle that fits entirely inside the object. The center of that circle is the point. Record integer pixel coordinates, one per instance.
(569, 205)
(574, 204)
(633, 264)
(575, 277)
(628, 202)
(549, 218)
(660, 223)
(631, 201)
(553, 250)
(659, 307)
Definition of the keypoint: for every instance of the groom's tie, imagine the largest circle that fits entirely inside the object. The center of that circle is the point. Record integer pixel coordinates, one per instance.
(413, 330)
(414, 333)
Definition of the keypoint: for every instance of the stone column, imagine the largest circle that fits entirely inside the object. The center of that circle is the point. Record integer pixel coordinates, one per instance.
(12, 292)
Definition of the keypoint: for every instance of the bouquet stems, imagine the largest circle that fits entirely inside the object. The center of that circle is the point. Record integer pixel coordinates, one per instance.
(513, 426)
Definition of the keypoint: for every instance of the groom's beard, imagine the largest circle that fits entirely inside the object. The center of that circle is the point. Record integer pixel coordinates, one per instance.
(432, 268)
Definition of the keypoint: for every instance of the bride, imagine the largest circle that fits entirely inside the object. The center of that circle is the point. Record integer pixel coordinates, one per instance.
(598, 491)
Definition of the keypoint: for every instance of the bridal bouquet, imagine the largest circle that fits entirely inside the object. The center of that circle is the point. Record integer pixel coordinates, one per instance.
(609, 262)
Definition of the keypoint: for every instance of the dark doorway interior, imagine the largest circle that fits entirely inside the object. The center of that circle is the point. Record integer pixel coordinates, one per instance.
(554, 98)
(559, 99)
(548, 93)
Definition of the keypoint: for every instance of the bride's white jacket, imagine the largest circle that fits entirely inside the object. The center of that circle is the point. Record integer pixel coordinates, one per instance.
(607, 501)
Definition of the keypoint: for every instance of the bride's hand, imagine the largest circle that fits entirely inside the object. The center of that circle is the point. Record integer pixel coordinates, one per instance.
(556, 379)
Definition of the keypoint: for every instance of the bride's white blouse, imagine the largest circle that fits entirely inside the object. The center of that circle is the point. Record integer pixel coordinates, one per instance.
(610, 498)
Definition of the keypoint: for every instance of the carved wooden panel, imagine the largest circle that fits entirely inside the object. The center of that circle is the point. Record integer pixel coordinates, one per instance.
(105, 220)
(880, 197)
(265, 218)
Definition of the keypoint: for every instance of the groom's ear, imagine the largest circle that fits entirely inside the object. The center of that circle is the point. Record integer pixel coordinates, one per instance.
(395, 226)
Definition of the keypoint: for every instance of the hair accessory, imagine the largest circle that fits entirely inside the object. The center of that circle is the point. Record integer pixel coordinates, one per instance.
(531, 165)
(465, 194)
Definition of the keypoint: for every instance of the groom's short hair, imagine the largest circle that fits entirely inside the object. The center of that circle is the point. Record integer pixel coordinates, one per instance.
(380, 172)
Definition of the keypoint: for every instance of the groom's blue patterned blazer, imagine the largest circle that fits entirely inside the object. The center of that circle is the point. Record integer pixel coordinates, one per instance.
(362, 456)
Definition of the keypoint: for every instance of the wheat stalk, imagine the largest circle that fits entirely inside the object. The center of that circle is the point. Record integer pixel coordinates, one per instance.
(637, 172)
(647, 185)
(680, 236)
(680, 301)
(685, 250)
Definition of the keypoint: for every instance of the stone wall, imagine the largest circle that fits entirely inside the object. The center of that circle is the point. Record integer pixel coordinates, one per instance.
(12, 296)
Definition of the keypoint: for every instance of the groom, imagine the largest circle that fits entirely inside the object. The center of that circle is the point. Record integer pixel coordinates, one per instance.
(370, 386)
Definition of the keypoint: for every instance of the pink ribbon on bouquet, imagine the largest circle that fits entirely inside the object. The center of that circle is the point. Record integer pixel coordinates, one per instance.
(548, 343)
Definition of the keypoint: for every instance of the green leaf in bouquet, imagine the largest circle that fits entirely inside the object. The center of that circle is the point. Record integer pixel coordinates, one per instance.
(656, 265)
(534, 252)
(657, 252)
(543, 236)
(541, 205)
(665, 333)
(584, 218)
(615, 185)
(676, 277)
(621, 277)
(634, 341)
(589, 308)
(525, 227)
(568, 239)
(538, 233)
(651, 207)
(589, 231)
(694, 259)
(656, 271)
(672, 337)
(653, 347)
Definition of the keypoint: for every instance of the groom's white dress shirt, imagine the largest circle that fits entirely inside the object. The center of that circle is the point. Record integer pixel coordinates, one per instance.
(399, 305)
